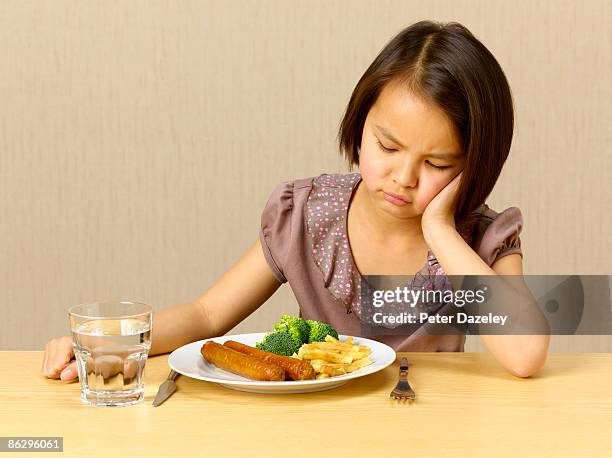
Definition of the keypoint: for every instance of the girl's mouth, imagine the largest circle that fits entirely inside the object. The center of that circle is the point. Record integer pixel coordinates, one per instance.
(395, 199)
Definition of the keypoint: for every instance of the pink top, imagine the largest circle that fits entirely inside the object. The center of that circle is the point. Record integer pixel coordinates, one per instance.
(305, 242)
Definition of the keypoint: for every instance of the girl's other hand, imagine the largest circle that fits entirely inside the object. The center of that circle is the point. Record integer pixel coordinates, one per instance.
(58, 359)
(441, 209)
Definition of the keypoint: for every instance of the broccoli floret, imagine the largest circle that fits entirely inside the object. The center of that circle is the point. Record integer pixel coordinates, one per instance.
(295, 326)
(319, 330)
(280, 343)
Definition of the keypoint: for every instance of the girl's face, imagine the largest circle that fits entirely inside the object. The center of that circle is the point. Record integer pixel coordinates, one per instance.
(410, 151)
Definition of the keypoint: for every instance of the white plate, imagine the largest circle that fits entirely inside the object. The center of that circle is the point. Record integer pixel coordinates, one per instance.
(188, 361)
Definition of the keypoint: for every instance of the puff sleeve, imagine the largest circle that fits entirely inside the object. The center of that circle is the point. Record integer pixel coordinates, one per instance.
(275, 232)
(501, 237)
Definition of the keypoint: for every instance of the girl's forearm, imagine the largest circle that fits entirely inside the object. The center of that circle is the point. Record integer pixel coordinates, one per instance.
(522, 355)
(178, 325)
(452, 252)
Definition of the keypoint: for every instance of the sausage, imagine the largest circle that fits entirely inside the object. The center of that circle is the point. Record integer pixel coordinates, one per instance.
(294, 368)
(241, 364)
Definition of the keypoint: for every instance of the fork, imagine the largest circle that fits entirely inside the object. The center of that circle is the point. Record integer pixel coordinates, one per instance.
(403, 390)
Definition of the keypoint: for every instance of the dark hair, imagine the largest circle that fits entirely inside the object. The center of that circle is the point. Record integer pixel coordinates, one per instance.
(446, 65)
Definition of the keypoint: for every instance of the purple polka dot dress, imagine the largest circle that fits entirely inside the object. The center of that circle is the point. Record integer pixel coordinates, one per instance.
(305, 242)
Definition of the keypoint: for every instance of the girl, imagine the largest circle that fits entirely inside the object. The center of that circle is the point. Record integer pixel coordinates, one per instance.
(429, 125)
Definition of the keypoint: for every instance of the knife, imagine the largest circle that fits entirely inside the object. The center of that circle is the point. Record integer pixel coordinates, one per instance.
(166, 389)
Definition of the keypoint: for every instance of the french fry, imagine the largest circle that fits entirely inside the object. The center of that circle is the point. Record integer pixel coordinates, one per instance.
(339, 346)
(327, 346)
(320, 362)
(333, 357)
(359, 364)
(332, 370)
(358, 356)
(330, 342)
(317, 363)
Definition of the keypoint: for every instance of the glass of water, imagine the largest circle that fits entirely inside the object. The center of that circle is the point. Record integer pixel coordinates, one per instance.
(111, 342)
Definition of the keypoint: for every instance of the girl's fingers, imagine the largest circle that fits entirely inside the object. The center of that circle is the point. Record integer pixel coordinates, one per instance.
(70, 372)
(63, 355)
(52, 364)
(50, 371)
(58, 354)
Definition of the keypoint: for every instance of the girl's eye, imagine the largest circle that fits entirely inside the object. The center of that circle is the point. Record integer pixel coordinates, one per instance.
(438, 167)
(390, 150)
(386, 150)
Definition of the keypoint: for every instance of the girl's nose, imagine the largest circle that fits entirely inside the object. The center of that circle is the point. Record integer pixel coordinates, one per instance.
(407, 175)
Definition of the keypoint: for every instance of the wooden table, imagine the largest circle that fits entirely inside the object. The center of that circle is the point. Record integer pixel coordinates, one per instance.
(467, 405)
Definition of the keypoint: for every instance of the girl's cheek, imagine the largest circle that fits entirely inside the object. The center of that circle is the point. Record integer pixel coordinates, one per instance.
(428, 190)
(364, 166)
(372, 169)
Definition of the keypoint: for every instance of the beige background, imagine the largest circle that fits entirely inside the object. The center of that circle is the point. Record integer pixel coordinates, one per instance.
(139, 140)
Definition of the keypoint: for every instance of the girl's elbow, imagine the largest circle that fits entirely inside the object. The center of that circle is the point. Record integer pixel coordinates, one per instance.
(526, 369)
(523, 371)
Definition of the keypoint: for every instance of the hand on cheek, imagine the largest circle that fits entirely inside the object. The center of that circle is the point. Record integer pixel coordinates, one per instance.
(441, 208)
